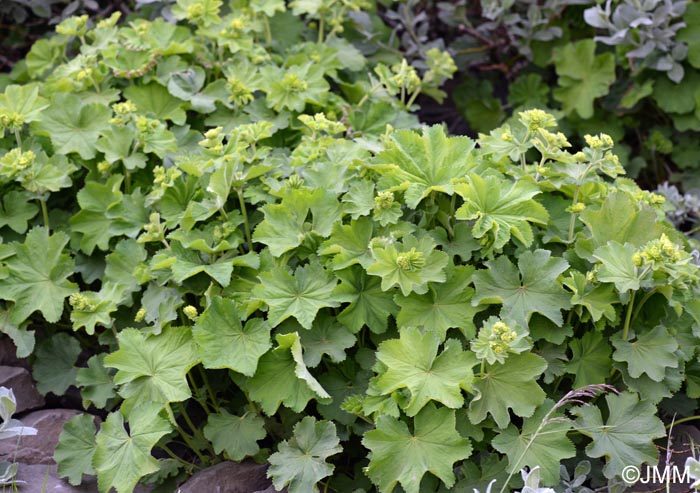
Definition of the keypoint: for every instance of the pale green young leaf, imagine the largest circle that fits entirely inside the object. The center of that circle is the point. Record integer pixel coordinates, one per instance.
(501, 208)
(531, 287)
(349, 244)
(532, 446)
(425, 163)
(300, 295)
(626, 437)
(54, 369)
(411, 265)
(235, 435)
(38, 276)
(617, 266)
(368, 304)
(619, 219)
(153, 369)
(224, 342)
(690, 34)
(23, 101)
(300, 462)
(650, 353)
(161, 304)
(76, 448)
(72, 126)
(22, 338)
(399, 456)
(185, 263)
(510, 385)
(444, 306)
(597, 299)
(116, 143)
(154, 101)
(282, 378)
(412, 362)
(122, 458)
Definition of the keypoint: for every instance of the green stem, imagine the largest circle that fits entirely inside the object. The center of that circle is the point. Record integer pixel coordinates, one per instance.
(198, 394)
(172, 454)
(642, 301)
(683, 420)
(268, 32)
(210, 390)
(18, 138)
(483, 368)
(412, 98)
(127, 181)
(693, 231)
(45, 213)
(628, 316)
(572, 221)
(321, 29)
(195, 430)
(246, 224)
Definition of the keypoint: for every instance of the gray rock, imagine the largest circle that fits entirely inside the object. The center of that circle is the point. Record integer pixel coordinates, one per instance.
(37, 449)
(42, 478)
(8, 354)
(22, 385)
(228, 477)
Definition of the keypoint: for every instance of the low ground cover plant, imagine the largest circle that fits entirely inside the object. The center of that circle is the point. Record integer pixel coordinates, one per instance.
(235, 240)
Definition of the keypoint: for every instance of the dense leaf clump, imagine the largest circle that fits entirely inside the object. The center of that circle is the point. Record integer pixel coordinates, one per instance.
(233, 238)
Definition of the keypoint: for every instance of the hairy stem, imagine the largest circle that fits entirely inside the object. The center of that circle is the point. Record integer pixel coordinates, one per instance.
(628, 317)
(246, 224)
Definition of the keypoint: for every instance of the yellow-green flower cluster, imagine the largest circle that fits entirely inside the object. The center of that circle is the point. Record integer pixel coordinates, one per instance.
(11, 120)
(81, 303)
(15, 162)
(411, 260)
(501, 337)
(73, 26)
(190, 312)
(658, 252)
(384, 200)
(320, 123)
(534, 120)
(599, 142)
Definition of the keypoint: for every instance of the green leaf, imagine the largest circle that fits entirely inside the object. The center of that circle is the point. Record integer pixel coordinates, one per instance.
(22, 338)
(23, 103)
(690, 34)
(510, 385)
(411, 266)
(121, 457)
(590, 360)
(501, 208)
(617, 266)
(530, 288)
(16, 210)
(349, 244)
(285, 226)
(96, 382)
(619, 219)
(38, 282)
(54, 369)
(597, 299)
(412, 362)
(326, 336)
(583, 76)
(537, 444)
(399, 456)
(223, 341)
(103, 215)
(76, 448)
(235, 435)
(444, 306)
(153, 369)
(300, 296)
(185, 263)
(154, 101)
(424, 163)
(627, 437)
(72, 126)
(282, 378)
(300, 462)
(369, 305)
(650, 353)
(291, 88)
